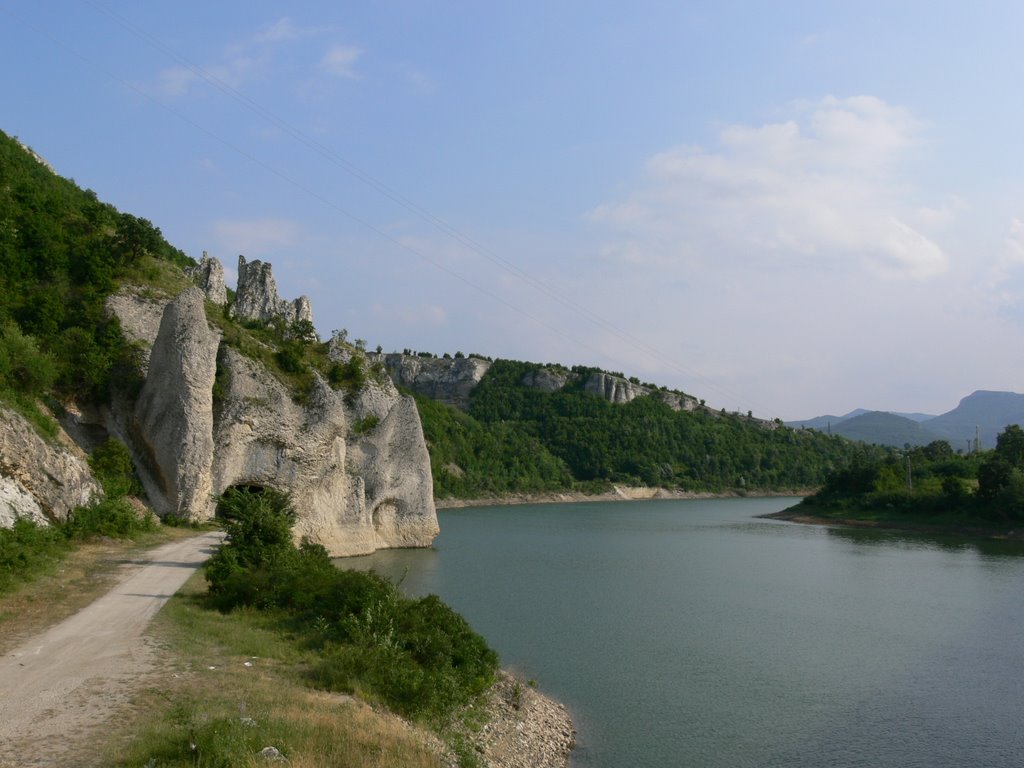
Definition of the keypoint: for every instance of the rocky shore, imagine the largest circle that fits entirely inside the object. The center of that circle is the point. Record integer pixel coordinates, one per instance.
(525, 729)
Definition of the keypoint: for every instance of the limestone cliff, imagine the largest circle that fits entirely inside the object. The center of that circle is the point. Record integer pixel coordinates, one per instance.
(355, 463)
(256, 297)
(209, 276)
(452, 379)
(39, 480)
(449, 380)
(172, 429)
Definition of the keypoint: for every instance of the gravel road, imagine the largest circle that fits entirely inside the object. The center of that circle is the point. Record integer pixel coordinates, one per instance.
(61, 685)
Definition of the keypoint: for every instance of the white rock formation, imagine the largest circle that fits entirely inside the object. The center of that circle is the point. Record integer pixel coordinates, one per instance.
(256, 297)
(39, 480)
(547, 379)
(449, 380)
(172, 431)
(356, 467)
(209, 276)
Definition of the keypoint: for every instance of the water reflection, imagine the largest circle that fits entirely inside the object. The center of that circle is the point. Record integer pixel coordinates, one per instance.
(933, 541)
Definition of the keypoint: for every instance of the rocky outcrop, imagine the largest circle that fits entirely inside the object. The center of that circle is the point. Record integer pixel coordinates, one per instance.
(39, 480)
(140, 315)
(523, 728)
(256, 297)
(354, 492)
(614, 389)
(172, 431)
(209, 276)
(452, 379)
(448, 379)
(547, 379)
(355, 463)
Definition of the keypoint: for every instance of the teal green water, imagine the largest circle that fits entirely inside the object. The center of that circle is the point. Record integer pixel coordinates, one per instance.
(692, 633)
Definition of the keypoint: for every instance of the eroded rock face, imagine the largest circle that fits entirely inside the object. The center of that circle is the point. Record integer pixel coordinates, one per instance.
(256, 297)
(449, 380)
(172, 430)
(547, 379)
(356, 465)
(140, 318)
(209, 276)
(38, 480)
(614, 389)
(354, 493)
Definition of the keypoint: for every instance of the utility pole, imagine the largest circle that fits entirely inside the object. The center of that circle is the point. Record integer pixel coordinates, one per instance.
(977, 438)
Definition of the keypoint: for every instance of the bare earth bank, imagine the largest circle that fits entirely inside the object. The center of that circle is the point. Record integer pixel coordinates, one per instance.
(618, 493)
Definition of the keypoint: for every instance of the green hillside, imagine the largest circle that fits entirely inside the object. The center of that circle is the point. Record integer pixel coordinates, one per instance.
(62, 251)
(519, 439)
(884, 429)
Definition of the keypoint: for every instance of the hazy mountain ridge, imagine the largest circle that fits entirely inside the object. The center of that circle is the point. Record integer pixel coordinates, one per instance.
(983, 412)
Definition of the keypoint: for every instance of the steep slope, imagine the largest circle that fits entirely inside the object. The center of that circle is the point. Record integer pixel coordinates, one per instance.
(97, 314)
(518, 437)
(987, 411)
(210, 417)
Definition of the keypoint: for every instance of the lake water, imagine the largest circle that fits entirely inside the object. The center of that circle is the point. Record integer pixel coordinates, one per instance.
(690, 633)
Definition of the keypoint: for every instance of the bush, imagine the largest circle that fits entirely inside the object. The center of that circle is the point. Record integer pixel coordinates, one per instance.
(24, 368)
(26, 550)
(417, 656)
(110, 518)
(111, 463)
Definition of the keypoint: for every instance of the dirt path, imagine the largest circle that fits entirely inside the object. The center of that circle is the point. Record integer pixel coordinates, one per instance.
(62, 684)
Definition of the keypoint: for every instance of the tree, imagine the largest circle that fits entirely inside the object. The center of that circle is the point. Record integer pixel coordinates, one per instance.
(1010, 445)
(135, 237)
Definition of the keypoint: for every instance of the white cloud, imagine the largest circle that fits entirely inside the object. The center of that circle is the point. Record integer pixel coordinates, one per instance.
(822, 189)
(255, 237)
(339, 61)
(282, 30)
(421, 82)
(252, 57)
(174, 81)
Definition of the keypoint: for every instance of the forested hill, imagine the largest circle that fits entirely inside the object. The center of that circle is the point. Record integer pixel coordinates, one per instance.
(516, 438)
(62, 251)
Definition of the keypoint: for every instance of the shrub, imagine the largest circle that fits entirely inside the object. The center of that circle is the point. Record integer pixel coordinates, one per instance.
(27, 549)
(365, 425)
(111, 463)
(417, 656)
(110, 518)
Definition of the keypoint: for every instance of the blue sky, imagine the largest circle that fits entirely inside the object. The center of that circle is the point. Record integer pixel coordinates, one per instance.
(789, 207)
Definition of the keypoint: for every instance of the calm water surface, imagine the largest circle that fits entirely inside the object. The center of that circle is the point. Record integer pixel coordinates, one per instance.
(691, 633)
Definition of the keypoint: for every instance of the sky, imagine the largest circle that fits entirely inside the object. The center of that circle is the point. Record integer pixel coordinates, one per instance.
(793, 208)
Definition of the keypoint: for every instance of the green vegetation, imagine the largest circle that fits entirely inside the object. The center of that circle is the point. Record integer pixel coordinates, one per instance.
(62, 252)
(517, 438)
(210, 709)
(931, 484)
(27, 551)
(416, 656)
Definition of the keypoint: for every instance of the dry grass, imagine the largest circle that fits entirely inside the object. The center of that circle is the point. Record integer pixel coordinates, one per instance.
(206, 695)
(88, 572)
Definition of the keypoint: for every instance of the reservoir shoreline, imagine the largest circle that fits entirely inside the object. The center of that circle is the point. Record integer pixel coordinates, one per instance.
(618, 493)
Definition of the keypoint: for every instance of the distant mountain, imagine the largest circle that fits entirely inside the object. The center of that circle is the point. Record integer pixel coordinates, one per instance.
(989, 411)
(884, 428)
(822, 423)
(914, 416)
